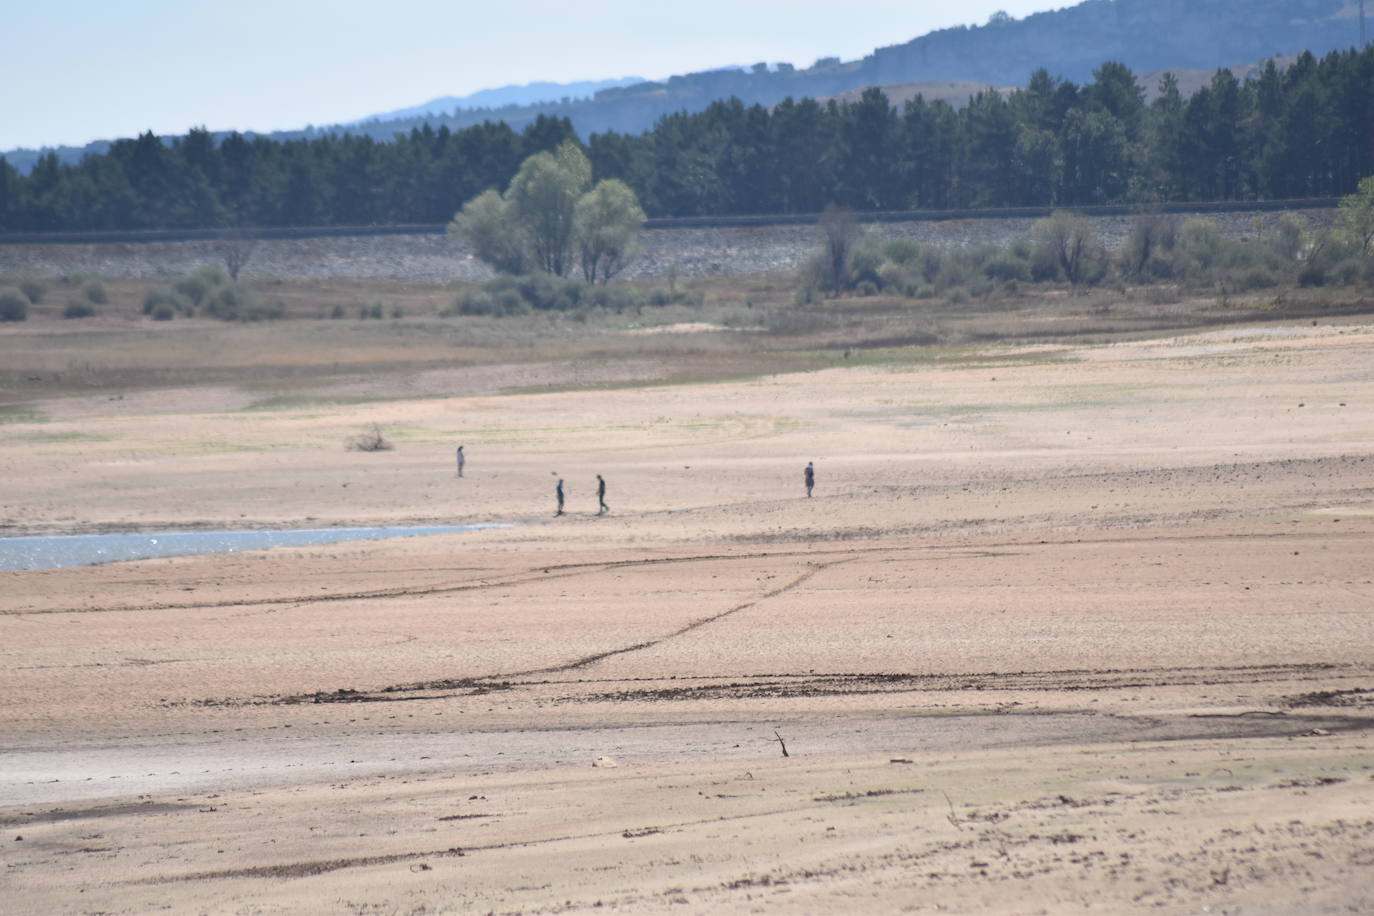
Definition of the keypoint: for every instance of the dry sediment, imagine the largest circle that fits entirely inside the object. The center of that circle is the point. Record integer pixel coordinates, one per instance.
(1081, 633)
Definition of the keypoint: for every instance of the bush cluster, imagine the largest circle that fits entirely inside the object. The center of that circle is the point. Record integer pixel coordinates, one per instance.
(1064, 249)
(14, 306)
(94, 291)
(78, 308)
(33, 291)
(210, 290)
(510, 294)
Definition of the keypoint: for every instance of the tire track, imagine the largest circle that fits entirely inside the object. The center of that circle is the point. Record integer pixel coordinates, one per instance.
(587, 660)
(564, 570)
(323, 866)
(503, 681)
(545, 573)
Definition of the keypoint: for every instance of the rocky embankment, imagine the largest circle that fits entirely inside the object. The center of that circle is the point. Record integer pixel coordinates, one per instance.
(438, 259)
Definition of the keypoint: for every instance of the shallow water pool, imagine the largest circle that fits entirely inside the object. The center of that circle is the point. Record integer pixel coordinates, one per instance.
(59, 551)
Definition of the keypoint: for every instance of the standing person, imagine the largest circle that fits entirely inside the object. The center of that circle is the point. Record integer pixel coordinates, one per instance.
(601, 495)
(558, 491)
(809, 476)
(462, 460)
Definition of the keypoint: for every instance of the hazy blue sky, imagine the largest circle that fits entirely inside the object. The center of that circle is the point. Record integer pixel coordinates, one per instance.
(96, 69)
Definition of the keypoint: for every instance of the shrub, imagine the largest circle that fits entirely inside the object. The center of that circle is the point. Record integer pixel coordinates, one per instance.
(921, 260)
(163, 312)
(660, 297)
(1333, 260)
(1200, 245)
(77, 308)
(33, 291)
(898, 278)
(901, 251)
(1065, 246)
(369, 440)
(958, 268)
(982, 287)
(1006, 265)
(14, 306)
(865, 261)
(200, 283)
(94, 290)
(239, 303)
(813, 272)
(165, 296)
(624, 298)
(1148, 251)
(508, 294)
(337, 311)
(1162, 295)
(1257, 277)
(483, 302)
(1291, 238)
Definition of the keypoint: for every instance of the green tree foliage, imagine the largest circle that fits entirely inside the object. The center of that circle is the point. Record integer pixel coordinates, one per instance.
(606, 224)
(543, 201)
(1305, 130)
(488, 224)
(548, 220)
(1357, 214)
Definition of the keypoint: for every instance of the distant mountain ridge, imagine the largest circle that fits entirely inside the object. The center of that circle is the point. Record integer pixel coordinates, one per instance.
(528, 94)
(1145, 35)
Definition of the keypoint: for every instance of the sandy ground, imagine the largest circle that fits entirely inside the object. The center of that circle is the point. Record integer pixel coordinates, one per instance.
(1069, 629)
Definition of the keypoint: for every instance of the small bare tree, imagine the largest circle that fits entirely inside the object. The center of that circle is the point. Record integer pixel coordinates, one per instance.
(237, 249)
(369, 440)
(1151, 235)
(841, 231)
(1066, 245)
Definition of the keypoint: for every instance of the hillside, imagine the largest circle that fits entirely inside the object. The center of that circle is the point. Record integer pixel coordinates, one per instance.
(1146, 35)
(528, 94)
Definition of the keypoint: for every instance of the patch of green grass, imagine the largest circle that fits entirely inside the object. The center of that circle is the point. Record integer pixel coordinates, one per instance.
(211, 447)
(305, 401)
(20, 413)
(60, 437)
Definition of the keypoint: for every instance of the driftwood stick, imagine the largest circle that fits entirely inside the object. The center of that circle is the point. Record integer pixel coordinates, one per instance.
(781, 743)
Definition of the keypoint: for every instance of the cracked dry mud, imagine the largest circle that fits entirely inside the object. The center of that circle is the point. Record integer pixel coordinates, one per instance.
(1097, 639)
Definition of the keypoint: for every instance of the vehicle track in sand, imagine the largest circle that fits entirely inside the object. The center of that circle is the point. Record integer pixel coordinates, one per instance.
(538, 573)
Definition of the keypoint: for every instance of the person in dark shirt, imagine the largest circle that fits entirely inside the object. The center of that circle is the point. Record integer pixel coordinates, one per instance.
(462, 460)
(558, 491)
(601, 495)
(809, 476)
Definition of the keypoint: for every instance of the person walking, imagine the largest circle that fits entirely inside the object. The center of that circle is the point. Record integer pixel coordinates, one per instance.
(809, 476)
(601, 495)
(462, 460)
(558, 492)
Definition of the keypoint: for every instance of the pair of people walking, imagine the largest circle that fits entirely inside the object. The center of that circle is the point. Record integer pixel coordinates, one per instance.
(600, 496)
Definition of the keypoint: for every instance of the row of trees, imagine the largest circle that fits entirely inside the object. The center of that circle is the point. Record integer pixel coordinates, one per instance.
(1307, 130)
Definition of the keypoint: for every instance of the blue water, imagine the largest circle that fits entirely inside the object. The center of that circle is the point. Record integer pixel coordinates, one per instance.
(58, 551)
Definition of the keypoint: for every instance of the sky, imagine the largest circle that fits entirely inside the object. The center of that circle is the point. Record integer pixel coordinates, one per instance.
(83, 70)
